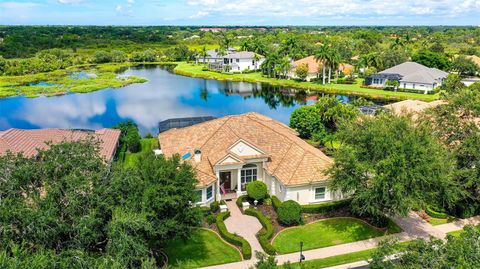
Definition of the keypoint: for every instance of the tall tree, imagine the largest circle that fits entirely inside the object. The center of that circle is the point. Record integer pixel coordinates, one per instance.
(391, 165)
(321, 56)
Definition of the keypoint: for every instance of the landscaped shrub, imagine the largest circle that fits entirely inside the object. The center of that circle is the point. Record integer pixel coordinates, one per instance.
(257, 190)
(240, 201)
(289, 213)
(210, 219)
(232, 238)
(324, 208)
(265, 234)
(434, 213)
(205, 211)
(276, 202)
(214, 207)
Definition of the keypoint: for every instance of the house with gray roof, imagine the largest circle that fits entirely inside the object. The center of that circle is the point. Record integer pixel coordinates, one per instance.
(215, 55)
(410, 75)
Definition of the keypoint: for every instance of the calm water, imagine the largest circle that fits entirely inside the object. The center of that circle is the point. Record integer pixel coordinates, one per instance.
(164, 96)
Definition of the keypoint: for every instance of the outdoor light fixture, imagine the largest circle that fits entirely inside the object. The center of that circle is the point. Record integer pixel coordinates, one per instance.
(302, 258)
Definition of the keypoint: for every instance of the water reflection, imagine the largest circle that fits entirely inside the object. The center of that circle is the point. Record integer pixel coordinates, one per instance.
(165, 96)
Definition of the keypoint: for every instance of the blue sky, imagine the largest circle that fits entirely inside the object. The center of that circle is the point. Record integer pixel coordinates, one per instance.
(246, 12)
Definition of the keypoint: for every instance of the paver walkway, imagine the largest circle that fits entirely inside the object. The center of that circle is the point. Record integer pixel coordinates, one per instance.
(413, 227)
(243, 225)
(458, 225)
(418, 227)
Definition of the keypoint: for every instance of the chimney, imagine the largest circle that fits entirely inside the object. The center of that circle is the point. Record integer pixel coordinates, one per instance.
(198, 155)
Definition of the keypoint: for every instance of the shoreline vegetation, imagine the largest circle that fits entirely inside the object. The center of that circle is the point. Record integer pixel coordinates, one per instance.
(105, 76)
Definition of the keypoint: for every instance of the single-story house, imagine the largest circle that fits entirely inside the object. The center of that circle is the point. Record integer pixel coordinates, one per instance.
(29, 142)
(229, 152)
(213, 55)
(238, 62)
(410, 75)
(315, 68)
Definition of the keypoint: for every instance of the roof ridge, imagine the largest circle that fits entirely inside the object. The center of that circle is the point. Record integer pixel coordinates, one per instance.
(283, 157)
(296, 168)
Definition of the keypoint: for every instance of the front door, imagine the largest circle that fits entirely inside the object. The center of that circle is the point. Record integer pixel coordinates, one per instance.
(225, 181)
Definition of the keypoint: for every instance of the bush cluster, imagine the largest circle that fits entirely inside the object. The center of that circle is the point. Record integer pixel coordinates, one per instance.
(232, 238)
(265, 234)
(276, 203)
(324, 208)
(257, 190)
(214, 207)
(290, 213)
(435, 213)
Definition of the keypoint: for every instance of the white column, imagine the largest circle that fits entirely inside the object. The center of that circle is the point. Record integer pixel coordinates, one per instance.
(239, 182)
(219, 196)
(272, 190)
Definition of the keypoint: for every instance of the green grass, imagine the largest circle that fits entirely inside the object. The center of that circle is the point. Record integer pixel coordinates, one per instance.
(63, 83)
(204, 248)
(436, 221)
(147, 144)
(457, 233)
(340, 259)
(326, 233)
(193, 70)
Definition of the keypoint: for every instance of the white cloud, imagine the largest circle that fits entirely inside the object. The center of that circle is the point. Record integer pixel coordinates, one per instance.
(199, 14)
(70, 1)
(131, 1)
(18, 5)
(316, 8)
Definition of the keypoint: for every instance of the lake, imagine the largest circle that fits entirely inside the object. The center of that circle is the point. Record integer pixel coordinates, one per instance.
(164, 96)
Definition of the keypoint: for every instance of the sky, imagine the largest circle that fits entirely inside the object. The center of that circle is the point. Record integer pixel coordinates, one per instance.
(238, 12)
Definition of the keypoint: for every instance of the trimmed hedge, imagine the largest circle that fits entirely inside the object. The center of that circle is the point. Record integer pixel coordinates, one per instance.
(435, 214)
(240, 200)
(324, 208)
(290, 213)
(214, 206)
(265, 234)
(233, 238)
(276, 202)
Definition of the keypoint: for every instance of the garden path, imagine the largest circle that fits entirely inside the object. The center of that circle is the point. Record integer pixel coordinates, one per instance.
(459, 224)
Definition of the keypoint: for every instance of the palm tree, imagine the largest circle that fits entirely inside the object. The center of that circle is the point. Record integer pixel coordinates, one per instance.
(397, 43)
(245, 45)
(333, 61)
(321, 57)
(204, 53)
(256, 58)
(268, 66)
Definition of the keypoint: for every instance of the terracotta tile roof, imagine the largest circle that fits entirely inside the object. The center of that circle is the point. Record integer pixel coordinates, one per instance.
(29, 141)
(291, 160)
(474, 58)
(412, 106)
(313, 65)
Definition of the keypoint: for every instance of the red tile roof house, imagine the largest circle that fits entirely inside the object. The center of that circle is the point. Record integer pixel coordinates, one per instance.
(29, 141)
(229, 152)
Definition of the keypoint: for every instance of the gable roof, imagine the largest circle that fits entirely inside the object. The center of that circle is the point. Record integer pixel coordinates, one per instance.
(314, 66)
(290, 159)
(415, 72)
(241, 55)
(29, 141)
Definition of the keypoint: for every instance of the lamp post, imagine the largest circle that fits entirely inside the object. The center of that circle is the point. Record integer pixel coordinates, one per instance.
(302, 258)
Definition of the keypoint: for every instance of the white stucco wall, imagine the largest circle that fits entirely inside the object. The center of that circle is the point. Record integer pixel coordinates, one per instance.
(204, 200)
(306, 194)
(239, 65)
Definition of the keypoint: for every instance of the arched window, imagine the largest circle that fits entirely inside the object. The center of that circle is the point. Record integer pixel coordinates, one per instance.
(248, 174)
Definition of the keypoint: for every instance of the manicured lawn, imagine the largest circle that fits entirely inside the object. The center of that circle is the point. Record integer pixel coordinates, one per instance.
(204, 248)
(457, 233)
(193, 70)
(148, 144)
(326, 233)
(436, 221)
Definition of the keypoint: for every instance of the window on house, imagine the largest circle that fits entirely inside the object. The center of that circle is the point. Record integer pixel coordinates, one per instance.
(404, 85)
(320, 193)
(198, 195)
(209, 192)
(238, 60)
(248, 174)
(414, 86)
(253, 62)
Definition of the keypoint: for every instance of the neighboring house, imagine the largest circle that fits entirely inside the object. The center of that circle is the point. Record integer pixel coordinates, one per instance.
(239, 62)
(410, 75)
(213, 55)
(411, 106)
(228, 153)
(29, 141)
(469, 81)
(315, 68)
